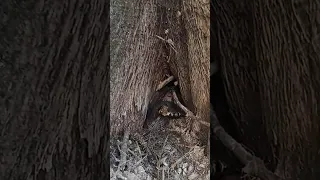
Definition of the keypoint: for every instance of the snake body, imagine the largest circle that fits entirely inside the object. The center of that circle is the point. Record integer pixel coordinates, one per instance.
(162, 105)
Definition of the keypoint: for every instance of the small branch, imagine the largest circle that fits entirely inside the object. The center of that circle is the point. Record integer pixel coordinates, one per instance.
(165, 82)
(124, 150)
(169, 41)
(161, 38)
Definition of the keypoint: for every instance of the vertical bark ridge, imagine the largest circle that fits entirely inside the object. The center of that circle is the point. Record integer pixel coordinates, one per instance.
(56, 118)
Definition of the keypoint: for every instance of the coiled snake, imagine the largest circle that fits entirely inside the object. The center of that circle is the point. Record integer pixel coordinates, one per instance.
(162, 105)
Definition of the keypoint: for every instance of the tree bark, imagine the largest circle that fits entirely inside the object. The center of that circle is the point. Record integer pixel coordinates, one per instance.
(135, 62)
(54, 90)
(269, 58)
(139, 57)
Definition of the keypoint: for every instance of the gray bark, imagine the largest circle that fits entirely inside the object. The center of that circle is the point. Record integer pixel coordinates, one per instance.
(135, 62)
(138, 57)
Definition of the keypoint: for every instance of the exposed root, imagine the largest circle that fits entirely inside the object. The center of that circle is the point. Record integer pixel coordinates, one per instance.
(254, 166)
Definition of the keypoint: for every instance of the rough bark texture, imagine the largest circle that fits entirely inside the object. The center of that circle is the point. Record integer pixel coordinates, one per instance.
(197, 24)
(270, 65)
(54, 89)
(138, 57)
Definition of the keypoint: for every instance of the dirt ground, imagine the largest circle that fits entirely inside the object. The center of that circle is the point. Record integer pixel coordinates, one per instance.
(166, 152)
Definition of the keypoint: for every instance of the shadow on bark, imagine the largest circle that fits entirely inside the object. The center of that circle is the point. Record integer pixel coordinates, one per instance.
(54, 89)
(268, 57)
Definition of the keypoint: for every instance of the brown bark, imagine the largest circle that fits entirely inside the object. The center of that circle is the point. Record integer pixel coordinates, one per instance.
(197, 23)
(135, 62)
(269, 62)
(54, 91)
(138, 57)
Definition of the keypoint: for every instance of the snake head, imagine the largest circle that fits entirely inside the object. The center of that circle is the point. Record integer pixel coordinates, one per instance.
(168, 110)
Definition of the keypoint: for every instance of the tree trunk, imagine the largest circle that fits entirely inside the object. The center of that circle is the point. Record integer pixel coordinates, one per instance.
(54, 90)
(269, 58)
(140, 59)
(135, 63)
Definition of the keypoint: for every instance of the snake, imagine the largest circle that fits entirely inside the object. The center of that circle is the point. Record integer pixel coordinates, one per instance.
(162, 105)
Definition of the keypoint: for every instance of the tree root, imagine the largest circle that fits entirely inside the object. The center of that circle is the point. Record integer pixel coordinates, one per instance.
(253, 165)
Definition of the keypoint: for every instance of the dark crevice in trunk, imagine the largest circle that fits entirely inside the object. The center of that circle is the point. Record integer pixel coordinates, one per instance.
(230, 119)
(219, 154)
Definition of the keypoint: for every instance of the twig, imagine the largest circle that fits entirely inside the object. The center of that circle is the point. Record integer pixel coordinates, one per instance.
(136, 164)
(124, 150)
(161, 38)
(138, 148)
(181, 158)
(169, 41)
(165, 82)
(163, 146)
(214, 68)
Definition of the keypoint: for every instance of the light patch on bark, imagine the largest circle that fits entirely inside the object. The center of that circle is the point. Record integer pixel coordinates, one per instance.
(198, 35)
